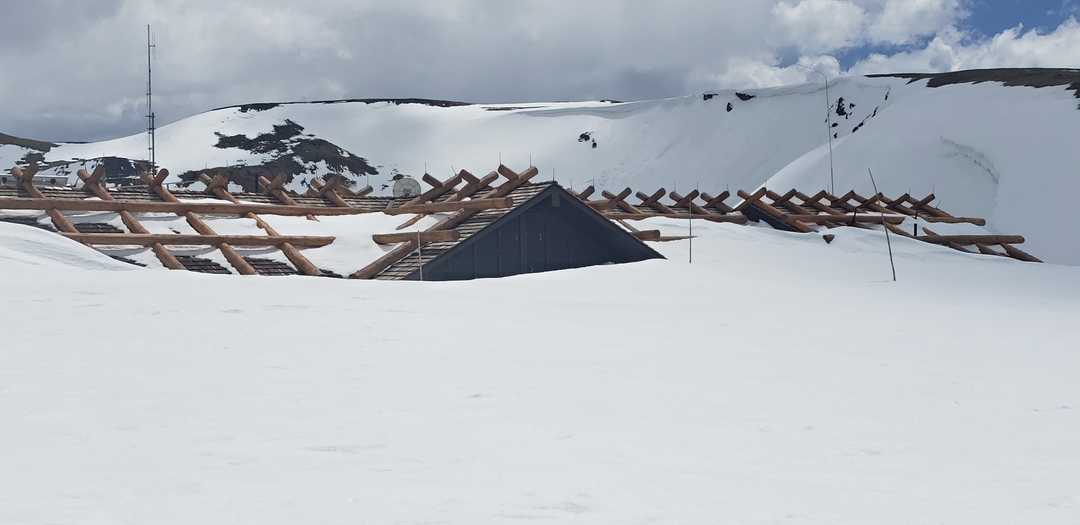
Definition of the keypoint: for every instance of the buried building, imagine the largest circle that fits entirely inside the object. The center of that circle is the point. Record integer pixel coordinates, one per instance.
(546, 228)
(496, 226)
(465, 227)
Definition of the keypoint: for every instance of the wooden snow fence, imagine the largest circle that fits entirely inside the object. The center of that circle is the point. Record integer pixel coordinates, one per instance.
(797, 212)
(459, 206)
(322, 199)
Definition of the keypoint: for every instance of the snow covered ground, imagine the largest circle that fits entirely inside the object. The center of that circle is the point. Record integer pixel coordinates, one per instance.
(777, 379)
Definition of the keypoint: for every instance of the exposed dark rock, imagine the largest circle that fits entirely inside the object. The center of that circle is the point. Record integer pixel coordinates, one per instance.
(1030, 77)
(260, 106)
(744, 97)
(511, 108)
(730, 107)
(257, 107)
(38, 145)
(841, 108)
(291, 153)
(708, 96)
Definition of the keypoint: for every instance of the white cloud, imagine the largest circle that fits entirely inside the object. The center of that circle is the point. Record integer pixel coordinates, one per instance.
(745, 73)
(820, 25)
(904, 21)
(1014, 47)
(74, 70)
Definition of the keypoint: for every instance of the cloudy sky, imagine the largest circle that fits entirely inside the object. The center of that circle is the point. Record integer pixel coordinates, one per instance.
(75, 70)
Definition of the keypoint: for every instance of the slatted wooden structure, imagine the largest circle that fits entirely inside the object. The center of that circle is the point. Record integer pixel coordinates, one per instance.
(329, 198)
(797, 212)
(461, 206)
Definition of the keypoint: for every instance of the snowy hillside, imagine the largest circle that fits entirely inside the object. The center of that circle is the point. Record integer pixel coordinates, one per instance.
(1002, 148)
(729, 390)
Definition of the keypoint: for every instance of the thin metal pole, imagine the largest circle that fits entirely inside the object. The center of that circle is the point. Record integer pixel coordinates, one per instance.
(150, 104)
(419, 254)
(828, 121)
(885, 226)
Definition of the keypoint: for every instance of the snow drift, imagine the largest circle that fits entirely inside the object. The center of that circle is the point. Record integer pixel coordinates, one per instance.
(730, 390)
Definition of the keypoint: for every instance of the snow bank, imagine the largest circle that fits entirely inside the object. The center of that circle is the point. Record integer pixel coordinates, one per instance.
(776, 378)
(26, 249)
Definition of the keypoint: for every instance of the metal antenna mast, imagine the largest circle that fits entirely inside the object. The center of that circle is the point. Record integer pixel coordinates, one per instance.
(150, 129)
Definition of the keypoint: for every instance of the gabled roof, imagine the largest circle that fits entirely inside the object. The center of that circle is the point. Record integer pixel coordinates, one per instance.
(524, 198)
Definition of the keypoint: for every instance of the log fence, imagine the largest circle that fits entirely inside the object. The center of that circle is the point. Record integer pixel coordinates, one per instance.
(454, 201)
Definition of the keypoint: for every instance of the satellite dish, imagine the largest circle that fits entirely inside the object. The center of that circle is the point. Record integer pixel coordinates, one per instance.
(406, 186)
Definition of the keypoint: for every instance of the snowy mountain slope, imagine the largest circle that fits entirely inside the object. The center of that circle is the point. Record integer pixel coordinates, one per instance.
(1004, 152)
(730, 390)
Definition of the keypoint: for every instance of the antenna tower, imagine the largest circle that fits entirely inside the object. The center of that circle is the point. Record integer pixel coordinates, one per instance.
(150, 129)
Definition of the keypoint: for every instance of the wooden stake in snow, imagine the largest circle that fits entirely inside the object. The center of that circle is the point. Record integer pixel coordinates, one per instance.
(888, 241)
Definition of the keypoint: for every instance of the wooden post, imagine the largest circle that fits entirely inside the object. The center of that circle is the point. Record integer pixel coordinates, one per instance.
(329, 192)
(275, 189)
(428, 236)
(755, 202)
(92, 182)
(653, 201)
(235, 259)
(26, 178)
(187, 239)
(618, 200)
(218, 186)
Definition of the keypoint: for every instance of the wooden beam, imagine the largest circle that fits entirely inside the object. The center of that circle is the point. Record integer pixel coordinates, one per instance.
(61, 222)
(688, 202)
(954, 220)
(177, 207)
(619, 200)
(653, 201)
(404, 249)
(468, 177)
(712, 217)
(472, 185)
(147, 239)
(669, 238)
(445, 206)
(647, 235)
(235, 259)
(755, 202)
(1017, 253)
(425, 236)
(717, 202)
(92, 183)
(965, 240)
(868, 218)
(329, 192)
(298, 259)
(793, 209)
(585, 193)
(274, 188)
(438, 188)
(682, 201)
(511, 175)
(389, 258)
(610, 199)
